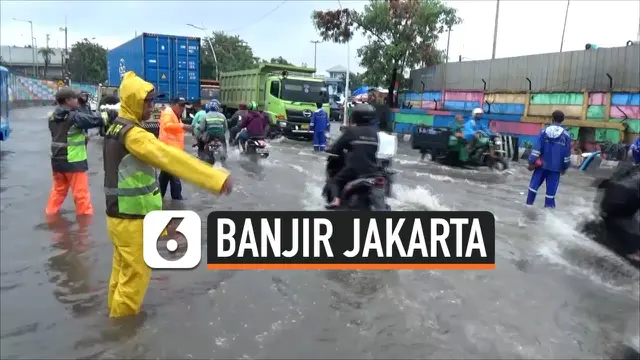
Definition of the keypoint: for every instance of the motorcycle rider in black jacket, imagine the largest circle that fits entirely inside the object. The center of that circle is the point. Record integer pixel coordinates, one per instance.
(361, 144)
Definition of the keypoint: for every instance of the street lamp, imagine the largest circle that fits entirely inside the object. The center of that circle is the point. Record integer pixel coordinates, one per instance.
(346, 84)
(33, 49)
(65, 66)
(315, 52)
(213, 51)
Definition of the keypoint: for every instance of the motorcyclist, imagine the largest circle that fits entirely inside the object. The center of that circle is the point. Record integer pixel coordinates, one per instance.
(254, 125)
(234, 121)
(83, 102)
(197, 118)
(213, 126)
(472, 129)
(361, 143)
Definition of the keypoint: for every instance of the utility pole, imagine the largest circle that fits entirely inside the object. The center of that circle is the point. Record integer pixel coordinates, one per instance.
(48, 37)
(495, 30)
(315, 53)
(566, 15)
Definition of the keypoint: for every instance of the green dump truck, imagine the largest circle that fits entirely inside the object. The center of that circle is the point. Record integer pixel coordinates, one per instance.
(287, 94)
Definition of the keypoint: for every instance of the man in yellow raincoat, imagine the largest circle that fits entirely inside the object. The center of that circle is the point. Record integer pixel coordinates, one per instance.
(131, 155)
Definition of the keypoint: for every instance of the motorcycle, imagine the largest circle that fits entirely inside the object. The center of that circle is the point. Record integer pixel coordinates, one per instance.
(451, 149)
(364, 194)
(255, 148)
(214, 149)
(618, 226)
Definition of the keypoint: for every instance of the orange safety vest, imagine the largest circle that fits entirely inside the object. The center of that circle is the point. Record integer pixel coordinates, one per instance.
(171, 131)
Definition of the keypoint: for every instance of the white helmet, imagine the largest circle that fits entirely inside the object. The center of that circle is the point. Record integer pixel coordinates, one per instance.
(477, 111)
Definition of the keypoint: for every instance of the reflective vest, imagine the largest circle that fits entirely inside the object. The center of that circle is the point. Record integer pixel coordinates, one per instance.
(215, 124)
(68, 149)
(130, 185)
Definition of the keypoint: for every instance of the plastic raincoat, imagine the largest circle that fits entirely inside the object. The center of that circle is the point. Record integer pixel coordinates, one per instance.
(129, 274)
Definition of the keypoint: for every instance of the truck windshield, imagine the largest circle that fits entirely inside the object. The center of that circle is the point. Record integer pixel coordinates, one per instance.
(303, 91)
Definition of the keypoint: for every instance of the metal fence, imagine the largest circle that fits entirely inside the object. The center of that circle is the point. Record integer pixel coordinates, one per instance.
(567, 71)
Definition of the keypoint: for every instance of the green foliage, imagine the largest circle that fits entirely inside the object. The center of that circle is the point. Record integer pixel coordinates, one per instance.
(46, 55)
(88, 62)
(2, 63)
(232, 53)
(280, 60)
(402, 34)
(355, 81)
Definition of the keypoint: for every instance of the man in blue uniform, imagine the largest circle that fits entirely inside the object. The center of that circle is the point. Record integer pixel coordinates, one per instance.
(319, 125)
(471, 128)
(550, 158)
(635, 151)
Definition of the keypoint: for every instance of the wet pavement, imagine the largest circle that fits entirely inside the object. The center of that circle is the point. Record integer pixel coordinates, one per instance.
(553, 294)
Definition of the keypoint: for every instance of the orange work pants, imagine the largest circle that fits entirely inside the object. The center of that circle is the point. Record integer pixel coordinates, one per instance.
(79, 184)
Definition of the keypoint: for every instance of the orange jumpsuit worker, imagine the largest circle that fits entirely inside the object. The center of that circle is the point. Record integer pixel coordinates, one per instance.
(130, 155)
(172, 132)
(69, 153)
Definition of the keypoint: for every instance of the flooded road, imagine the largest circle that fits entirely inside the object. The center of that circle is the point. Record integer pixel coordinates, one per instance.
(553, 293)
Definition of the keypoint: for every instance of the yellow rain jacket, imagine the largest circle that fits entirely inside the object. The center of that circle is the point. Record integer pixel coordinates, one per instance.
(130, 275)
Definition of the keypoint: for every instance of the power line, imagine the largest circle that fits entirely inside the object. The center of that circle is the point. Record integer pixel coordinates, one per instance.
(260, 19)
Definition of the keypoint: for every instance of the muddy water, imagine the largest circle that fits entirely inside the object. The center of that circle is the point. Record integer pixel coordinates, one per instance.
(553, 294)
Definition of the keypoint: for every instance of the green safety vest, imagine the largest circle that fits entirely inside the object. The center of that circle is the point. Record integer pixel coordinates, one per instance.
(68, 148)
(130, 186)
(215, 124)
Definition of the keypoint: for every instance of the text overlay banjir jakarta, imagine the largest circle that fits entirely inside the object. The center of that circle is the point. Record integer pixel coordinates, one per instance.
(350, 240)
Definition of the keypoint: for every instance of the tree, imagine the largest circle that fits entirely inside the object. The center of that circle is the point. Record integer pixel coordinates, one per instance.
(46, 55)
(232, 53)
(2, 63)
(280, 60)
(355, 81)
(401, 34)
(88, 62)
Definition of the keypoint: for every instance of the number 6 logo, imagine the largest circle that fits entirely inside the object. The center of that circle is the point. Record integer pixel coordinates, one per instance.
(154, 224)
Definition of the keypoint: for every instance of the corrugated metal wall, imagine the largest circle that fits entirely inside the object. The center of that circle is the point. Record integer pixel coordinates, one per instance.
(568, 71)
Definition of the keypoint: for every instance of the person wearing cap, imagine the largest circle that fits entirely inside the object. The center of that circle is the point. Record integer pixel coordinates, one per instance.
(69, 153)
(131, 155)
(172, 131)
(550, 158)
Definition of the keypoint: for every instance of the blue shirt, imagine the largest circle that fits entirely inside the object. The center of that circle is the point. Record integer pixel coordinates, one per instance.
(319, 121)
(635, 151)
(471, 126)
(554, 147)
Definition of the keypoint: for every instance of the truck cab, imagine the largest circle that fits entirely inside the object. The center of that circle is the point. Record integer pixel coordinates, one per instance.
(291, 100)
(286, 94)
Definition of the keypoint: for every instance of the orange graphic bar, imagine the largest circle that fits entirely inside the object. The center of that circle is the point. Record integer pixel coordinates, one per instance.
(351, 266)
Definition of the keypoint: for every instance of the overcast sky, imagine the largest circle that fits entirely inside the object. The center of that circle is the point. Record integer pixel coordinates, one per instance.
(284, 28)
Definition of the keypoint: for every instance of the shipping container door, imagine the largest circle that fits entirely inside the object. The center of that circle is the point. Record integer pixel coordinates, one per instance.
(157, 68)
(186, 68)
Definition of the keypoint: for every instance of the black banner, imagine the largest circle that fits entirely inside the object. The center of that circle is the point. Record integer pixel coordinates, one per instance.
(346, 239)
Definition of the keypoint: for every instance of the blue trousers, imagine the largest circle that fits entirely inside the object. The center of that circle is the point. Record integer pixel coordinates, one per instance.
(165, 179)
(552, 178)
(319, 141)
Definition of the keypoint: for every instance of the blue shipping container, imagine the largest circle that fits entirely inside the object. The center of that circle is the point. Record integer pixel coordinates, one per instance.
(170, 63)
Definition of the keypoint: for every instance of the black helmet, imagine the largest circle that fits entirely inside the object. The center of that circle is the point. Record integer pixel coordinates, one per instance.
(363, 114)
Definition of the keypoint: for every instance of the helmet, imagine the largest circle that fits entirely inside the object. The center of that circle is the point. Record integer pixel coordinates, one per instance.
(477, 111)
(251, 105)
(214, 106)
(363, 114)
(205, 107)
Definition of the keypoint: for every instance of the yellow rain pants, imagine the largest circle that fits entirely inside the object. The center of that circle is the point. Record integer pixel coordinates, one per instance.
(130, 275)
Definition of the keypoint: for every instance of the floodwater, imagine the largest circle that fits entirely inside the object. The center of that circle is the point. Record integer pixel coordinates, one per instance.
(553, 294)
